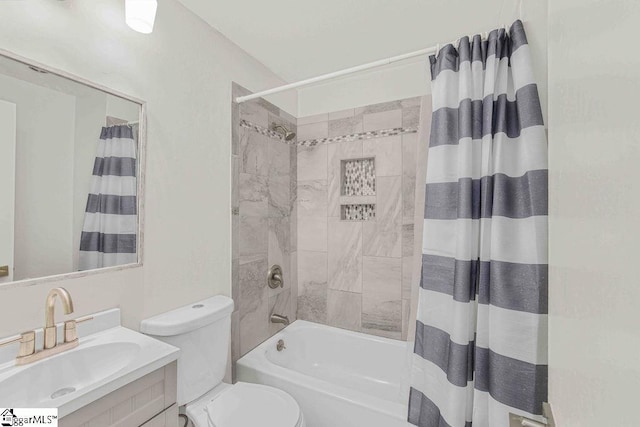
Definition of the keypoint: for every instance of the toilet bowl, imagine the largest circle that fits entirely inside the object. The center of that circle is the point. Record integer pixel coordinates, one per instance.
(243, 405)
(202, 331)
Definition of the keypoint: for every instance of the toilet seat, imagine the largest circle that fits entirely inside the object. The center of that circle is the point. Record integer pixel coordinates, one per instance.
(243, 405)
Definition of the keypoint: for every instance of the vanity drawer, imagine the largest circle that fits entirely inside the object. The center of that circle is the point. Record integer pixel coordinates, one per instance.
(141, 402)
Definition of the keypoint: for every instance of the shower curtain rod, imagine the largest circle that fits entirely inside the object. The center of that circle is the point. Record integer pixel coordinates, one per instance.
(428, 51)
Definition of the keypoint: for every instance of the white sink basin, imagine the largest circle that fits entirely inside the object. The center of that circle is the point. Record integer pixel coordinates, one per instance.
(102, 363)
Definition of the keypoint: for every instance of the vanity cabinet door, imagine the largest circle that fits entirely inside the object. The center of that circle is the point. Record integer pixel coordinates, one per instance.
(148, 401)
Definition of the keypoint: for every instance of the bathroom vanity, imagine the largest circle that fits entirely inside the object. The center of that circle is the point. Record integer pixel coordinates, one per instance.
(113, 377)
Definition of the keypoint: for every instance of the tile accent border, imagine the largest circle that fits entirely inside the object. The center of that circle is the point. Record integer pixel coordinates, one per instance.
(264, 131)
(383, 133)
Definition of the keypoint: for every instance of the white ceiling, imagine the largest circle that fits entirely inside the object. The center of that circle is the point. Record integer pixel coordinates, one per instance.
(298, 39)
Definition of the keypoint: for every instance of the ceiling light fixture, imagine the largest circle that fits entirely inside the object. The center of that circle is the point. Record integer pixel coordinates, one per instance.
(140, 14)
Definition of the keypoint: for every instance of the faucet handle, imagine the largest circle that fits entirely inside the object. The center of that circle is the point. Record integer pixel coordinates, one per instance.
(70, 332)
(27, 343)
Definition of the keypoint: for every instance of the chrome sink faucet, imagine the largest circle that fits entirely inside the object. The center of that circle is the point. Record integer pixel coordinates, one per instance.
(27, 352)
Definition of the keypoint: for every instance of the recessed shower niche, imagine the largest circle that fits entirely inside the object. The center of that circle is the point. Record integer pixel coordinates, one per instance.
(358, 189)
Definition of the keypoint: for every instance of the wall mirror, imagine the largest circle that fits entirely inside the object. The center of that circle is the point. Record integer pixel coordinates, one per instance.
(70, 174)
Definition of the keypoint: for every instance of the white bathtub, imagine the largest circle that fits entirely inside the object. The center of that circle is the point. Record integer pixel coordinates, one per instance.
(339, 378)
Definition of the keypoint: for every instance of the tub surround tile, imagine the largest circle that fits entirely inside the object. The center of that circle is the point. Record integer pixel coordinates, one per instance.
(267, 106)
(312, 119)
(416, 101)
(383, 120)
(279, 304)
(293, 262)
(345, 255)
(312, 286)
(344, 309)
(407, 239)
(388, 155)
(345, 126)
(313, 131)
(279, 197)
(253, 153)
(381, 296)
(253, 235)
(312, 234)
(279, 157)
(407, 276)
(409, 167)
(235, 177)
(383, 237)
(312, 163)
(411, 117)
(253, 303)
(235, 342)
(336, 153)
(280, 249)
(312, 198)
(252, 112)
(350, 112)
(380, 107)
(253, 195)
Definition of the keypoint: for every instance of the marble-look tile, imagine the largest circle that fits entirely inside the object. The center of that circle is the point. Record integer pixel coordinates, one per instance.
(383, 120)
(252, 112)
(350, 112)
(345, 126)
(293, 263)
(289, 117)
(253, 195)
(253, 152)
(383, 237)
(381, 296)
(293, 221)
(301, 121)
(407, 276)
(312, 234)
(313, 131)
(377, 108)
(235, 342)
(388, 154)
(253, 235)
(280, 250)
(345, 255)
(312, 163)
(279, 304)
(406, 314)
(407, 239)
(235, 281)
(411, 117)
(411, 102)
(235, 236)
(253, 304)
(336, 153)
(235, 181)
(267, 106)
(344, 309)
(312, 198)
(279, 157)
(409, 169)
(279, 120)
(235, 128)
(279, 200)
(312, 286)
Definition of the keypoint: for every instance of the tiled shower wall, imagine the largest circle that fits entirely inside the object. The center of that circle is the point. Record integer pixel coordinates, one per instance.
(263, 221)
(357, 274)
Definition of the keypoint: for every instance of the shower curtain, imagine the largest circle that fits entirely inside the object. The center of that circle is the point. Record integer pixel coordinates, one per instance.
(481, 331)
(110, 223)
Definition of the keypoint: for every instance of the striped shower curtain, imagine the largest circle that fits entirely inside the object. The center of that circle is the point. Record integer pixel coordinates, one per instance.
(110, 223)
(481, 333)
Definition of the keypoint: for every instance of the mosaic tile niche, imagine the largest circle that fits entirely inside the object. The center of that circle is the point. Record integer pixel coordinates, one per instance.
(359, 177)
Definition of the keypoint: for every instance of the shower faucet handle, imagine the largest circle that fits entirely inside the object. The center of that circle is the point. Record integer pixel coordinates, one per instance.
(274, 277)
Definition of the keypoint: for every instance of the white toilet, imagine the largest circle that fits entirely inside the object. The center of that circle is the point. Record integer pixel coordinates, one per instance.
(202, 331)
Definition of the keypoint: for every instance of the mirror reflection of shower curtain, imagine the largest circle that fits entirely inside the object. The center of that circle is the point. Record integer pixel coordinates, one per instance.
(109, 233)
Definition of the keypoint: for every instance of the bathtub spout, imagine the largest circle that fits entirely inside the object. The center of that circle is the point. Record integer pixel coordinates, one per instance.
(277, 318)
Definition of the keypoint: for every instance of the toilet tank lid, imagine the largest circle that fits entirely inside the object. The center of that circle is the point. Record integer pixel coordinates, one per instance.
(188, 318)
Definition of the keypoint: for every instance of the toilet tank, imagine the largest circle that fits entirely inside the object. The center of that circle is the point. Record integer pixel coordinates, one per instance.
(202, 331)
